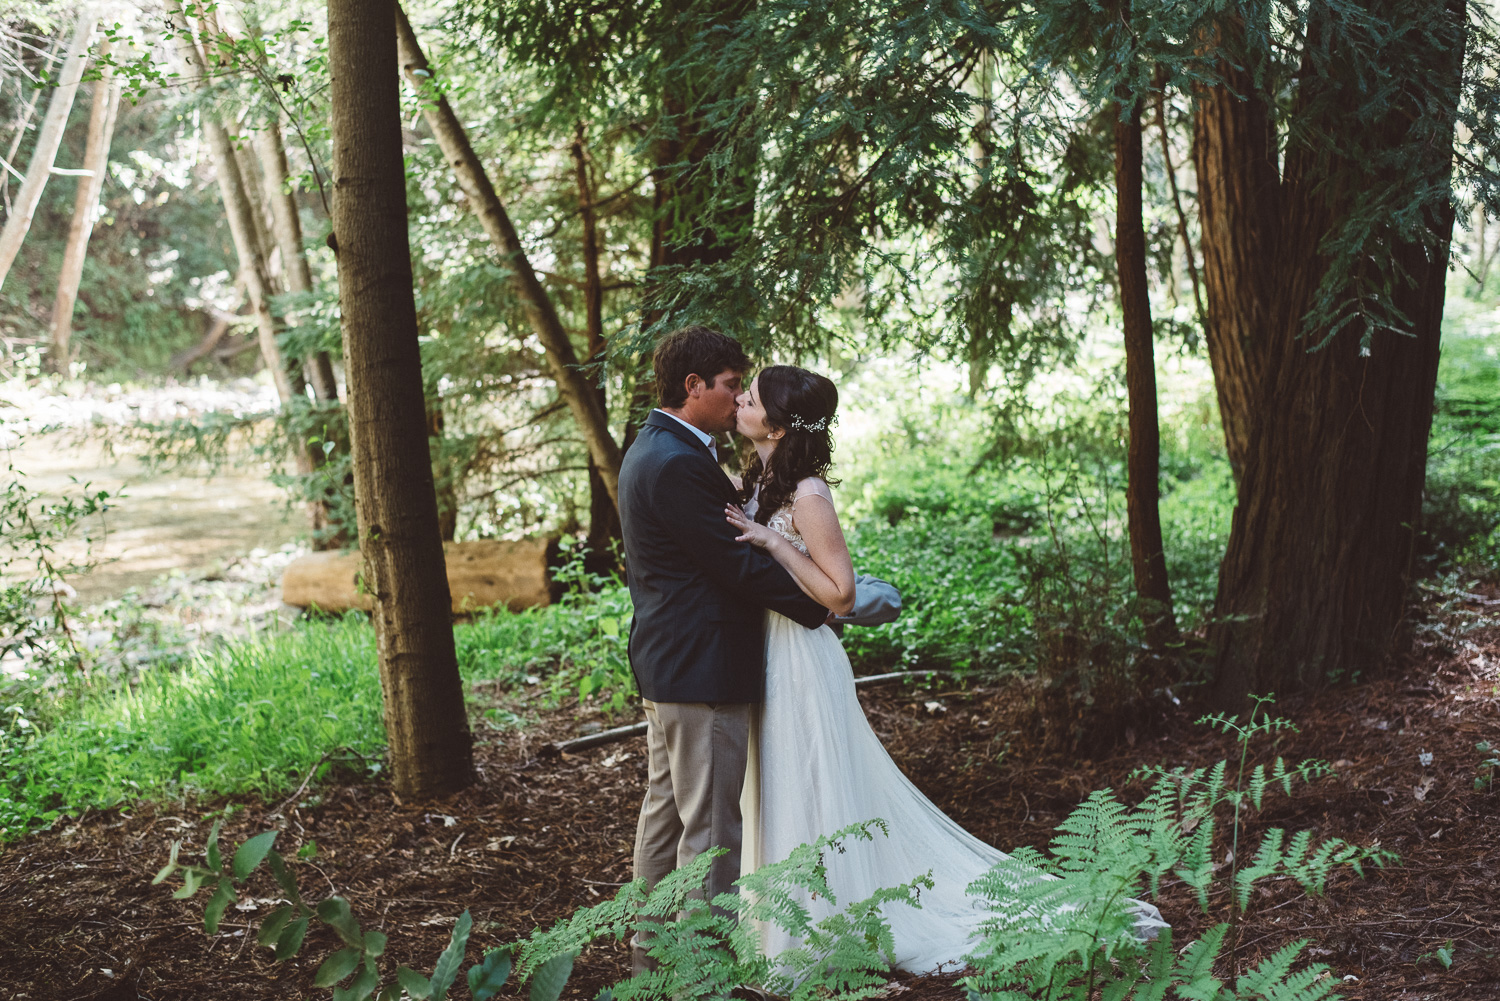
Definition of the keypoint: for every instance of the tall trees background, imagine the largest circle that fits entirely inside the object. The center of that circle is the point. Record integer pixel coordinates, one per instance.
(977, 183)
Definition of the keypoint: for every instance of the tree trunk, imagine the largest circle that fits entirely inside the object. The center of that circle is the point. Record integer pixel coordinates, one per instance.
(573, 384)
(287, 224)
(1316, 575)
(688, 231)
(1143, 490)
(604, 517)
(95, 160)
(1234, 153)
(239, 208)
(23, 121)
(431, 749)
(48, 139)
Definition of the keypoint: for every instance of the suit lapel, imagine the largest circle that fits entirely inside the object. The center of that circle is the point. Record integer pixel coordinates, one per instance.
(657, 419)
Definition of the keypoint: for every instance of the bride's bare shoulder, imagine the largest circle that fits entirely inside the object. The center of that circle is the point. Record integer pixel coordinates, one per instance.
(814, 485)
(739, 484)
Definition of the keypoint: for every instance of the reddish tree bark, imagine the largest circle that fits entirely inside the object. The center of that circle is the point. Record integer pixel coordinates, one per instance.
(1234, 152)
(1317, 571)
(1143, 488)
(431, 750)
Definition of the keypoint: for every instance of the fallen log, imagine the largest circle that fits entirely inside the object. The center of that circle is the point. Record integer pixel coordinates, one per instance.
(481, 574)
(639, 729)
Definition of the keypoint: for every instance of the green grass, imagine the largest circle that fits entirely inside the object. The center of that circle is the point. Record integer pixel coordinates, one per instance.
(251, 717)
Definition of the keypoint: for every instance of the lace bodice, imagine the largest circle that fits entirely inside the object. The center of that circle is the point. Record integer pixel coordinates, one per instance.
(781, 522)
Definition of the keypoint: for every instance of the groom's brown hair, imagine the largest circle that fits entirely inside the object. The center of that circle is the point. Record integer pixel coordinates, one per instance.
(694, 349)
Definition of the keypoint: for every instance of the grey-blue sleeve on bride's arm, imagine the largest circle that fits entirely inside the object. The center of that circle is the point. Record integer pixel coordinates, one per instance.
(876, 602)
(738, 568)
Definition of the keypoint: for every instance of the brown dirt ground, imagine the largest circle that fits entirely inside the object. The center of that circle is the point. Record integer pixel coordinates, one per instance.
(540, 836)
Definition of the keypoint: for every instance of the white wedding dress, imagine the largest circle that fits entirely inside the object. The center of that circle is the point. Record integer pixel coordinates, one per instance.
(815, 766)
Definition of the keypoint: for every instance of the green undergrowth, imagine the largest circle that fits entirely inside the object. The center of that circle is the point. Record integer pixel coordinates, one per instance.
(251, 717)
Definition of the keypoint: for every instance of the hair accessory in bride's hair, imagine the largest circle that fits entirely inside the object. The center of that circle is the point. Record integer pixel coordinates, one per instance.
(821, 424)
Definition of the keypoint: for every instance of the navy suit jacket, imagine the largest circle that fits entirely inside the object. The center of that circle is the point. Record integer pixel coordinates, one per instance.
(699, 629)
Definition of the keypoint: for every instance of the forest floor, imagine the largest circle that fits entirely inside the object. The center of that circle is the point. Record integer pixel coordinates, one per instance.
(540, 836)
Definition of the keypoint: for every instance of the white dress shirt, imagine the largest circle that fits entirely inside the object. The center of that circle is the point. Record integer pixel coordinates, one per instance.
(703, 436)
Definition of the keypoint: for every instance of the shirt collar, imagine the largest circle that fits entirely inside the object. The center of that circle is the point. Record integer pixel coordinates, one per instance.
(703, 436)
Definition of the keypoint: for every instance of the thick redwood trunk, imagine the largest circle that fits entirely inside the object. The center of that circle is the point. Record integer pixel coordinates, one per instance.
(95, 160)
(1234, 152)
(1143, 489)
(574, 385)
(1317, 572)
(430, 745)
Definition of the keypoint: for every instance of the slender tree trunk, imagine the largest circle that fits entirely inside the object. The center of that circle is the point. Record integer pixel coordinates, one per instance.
(604, 517)
(95, 160)
(48, 139)
(1171, 172)
(430, 745)
(244, 227)
(1143, 490)
(287, 225)
(218, 326)
(1234, 152)
(573, 385)
(1318, 566)
(23, 122)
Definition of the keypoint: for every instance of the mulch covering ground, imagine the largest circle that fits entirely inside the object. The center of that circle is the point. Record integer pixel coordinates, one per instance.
(540, 836)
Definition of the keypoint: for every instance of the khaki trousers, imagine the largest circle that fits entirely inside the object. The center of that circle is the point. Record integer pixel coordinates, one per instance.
(696, 758)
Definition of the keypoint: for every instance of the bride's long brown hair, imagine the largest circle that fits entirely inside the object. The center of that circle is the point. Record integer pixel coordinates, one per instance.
(802, 404)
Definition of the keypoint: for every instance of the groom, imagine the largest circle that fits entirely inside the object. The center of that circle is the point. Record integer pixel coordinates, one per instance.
(697, 639)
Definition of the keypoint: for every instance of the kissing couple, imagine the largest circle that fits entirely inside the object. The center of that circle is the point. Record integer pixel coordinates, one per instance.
(756, 740)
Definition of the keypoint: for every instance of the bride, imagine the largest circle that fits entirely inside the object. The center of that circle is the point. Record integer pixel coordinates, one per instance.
(815, 765)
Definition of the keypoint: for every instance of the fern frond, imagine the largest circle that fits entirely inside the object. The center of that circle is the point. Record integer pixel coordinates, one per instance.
(1196, 867)
(1257, 785)
(1195, 968)
(1272, 979)
(1267, 862)
(1158, 969)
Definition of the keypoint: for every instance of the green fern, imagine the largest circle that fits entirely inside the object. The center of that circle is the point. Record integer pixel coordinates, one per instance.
(1275, 980)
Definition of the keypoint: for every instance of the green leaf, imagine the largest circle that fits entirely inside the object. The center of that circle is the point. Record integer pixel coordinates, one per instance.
(337, 967)
(390, 992)
(192, 881)
(335, 913)
(284, 876)
(271, 929)
(1158, 969)
(551, 977)
(215, 860)
(489, 975)
(250, 854)
(363, 986)
(374, 943)
(290, 939)
(222, 898)
(448, 963)
(1195, 966)
(414, 983)
(171, 865)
